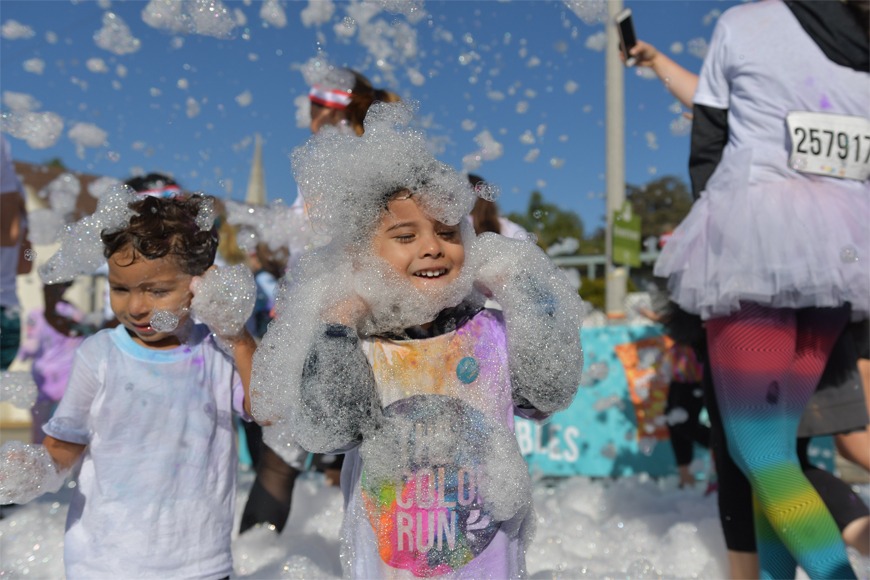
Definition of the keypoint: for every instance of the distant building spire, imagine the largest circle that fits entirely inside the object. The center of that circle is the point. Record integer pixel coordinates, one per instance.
(256, 194)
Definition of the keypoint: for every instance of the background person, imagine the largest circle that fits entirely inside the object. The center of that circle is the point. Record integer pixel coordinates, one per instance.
(340, 100)
(15, 258)
(835, 404)
(52, 335)
(775, 300)
(486, 217)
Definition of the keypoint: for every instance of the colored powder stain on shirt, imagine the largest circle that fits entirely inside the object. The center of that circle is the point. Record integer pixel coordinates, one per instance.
(825, 103)
(467, 370)
(418, 363)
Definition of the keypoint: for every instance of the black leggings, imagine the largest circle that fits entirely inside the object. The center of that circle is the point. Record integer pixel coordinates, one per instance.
(272, 491)
(684, 434)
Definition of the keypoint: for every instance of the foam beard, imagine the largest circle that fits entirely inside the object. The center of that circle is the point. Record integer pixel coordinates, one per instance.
(395, 303)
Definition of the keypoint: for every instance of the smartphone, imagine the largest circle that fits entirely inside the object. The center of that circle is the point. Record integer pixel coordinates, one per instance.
(625, 25)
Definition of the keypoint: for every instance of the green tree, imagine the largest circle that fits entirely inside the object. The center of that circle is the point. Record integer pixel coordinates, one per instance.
(56, 163)
(662, 204)
(595, 244)
(548, 222)
(594, 290)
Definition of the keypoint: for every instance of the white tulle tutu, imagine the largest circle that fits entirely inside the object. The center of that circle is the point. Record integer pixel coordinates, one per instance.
(788, 244)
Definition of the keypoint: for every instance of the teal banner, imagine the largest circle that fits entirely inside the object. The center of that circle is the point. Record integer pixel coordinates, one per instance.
(615, 425)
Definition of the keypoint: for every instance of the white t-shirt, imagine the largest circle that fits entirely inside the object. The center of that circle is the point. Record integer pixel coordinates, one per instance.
(448, 399)
(8, 178)
(8, 271)
(508, 228)
(761, 65)
(156, 490)
(513, 230)
(8, 254)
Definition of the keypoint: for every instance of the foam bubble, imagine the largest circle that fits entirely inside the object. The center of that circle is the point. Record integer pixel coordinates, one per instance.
(81, 248)
(224, 299)
(18, 389)
(27, 472)
(206, 215)
(205, 17)
(39, 130)
(345, 199)
(276, 225)
(62, 193)
(44, 226)
(115, 36)
(164, 321)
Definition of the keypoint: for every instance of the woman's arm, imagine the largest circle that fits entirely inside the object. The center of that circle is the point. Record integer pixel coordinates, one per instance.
(680, 82)
(709, 137)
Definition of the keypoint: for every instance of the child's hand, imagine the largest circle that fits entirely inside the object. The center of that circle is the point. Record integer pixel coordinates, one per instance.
(498, 260)
(223, 299)
(26, 472)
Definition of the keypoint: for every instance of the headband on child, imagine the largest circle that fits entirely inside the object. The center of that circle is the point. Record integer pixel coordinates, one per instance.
(163, 191)
(331, 98)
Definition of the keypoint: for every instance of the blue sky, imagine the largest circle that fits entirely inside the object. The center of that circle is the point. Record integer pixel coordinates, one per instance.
(524, 79)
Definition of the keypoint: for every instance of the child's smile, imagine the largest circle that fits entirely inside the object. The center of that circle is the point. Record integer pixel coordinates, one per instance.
(429, 253)
(431, 273)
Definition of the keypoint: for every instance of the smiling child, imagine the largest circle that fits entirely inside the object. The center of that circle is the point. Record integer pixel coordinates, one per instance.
(382, 349)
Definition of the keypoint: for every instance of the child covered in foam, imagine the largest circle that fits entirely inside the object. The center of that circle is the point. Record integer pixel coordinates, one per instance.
(382, 348)
(147, 415)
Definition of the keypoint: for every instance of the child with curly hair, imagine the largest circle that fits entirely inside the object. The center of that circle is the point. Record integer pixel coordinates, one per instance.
(148, 412)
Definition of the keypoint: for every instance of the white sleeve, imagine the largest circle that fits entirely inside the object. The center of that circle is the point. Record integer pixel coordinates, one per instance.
(713, 84)
(71, 420)
(8, 178)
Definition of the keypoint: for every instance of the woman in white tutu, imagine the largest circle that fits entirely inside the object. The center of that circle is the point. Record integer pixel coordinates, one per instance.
(774, 254)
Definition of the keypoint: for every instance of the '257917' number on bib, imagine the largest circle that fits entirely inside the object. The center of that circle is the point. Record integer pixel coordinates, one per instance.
(830, 144)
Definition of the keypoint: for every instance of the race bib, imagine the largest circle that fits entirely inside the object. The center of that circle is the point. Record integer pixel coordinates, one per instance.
(829, 144)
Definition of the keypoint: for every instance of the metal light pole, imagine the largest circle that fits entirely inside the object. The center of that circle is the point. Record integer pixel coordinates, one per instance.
(615, 277)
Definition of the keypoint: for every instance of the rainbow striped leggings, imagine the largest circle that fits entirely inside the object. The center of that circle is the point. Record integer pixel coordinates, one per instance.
(766, 363)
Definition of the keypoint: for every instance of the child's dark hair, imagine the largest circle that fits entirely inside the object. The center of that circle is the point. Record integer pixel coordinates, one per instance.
(484, 214)
(363, 95)
(273, 261)
(167, 227)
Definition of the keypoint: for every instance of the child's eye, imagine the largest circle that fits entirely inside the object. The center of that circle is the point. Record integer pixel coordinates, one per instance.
(159, 292)
(404, 239)
(117, 289)
(448, 234)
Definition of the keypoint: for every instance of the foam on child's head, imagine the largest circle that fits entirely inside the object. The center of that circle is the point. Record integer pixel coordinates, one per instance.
(319, 72)
(346, 179)
(181, 228)
(81, 250)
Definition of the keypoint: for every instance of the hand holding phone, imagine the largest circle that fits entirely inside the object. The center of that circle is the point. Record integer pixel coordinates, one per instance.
(627, 37)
